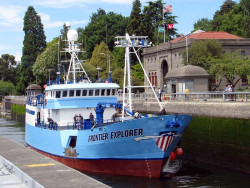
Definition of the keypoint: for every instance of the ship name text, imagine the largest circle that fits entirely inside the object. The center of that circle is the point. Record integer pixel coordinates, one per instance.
(115, 135)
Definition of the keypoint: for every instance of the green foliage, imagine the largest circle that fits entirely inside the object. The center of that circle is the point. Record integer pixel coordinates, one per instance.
(152, 18)
(46, 63)
(202, 24)
(102, 27)
(119, 54)
(91, 70)
(18, 109)
(117, 76)
(232, 17)
(134, 23)
(231, 66)
(7, 68)
(100, 60)
(34, 43)
(200, 52)
(7, 88)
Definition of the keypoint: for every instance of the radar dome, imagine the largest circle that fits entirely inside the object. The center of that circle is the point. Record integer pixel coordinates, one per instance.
(72, 35)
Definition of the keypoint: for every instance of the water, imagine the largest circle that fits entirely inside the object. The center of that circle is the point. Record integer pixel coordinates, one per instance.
(189, 174)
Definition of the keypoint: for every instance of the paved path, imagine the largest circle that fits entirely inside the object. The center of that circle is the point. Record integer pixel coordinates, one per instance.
(45, 171)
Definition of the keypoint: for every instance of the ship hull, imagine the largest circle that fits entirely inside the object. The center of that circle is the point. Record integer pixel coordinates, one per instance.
(135, 147)
(138, 168)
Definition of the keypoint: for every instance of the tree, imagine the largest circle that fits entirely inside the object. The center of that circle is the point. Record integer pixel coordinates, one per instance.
(153, 17)
(102, 28)
(134, 23)
(100, 60)
(7, 68)
(202, 24)
(231, 66)
(245, 11)
(7, 88)
(200, 52)
(34, 43)
(47, 63)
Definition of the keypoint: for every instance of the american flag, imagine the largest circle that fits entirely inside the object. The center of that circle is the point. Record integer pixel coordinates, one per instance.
(164, 142)
(167, 8)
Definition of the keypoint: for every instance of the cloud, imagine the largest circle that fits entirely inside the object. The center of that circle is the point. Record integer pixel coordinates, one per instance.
(79, 3)
(11, 18)
(49, 24)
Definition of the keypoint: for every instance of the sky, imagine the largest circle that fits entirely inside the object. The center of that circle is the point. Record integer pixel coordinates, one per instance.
(54, 13)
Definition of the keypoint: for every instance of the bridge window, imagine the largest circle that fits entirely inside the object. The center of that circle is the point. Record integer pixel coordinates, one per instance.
(84, 92)
(78, 93)
(113, 91)
(91, 92)
(108, 92)
(97, 92)
(71, 93)
(103, 92)
(58, 94)
(65, 93)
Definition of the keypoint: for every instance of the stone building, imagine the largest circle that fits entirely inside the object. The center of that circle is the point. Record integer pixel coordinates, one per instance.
(190, 77)
(163, 58)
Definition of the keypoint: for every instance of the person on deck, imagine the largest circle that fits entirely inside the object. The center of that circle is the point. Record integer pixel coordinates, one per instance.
(91, 117)
(75, 119)
(163, 111)
(80, 118)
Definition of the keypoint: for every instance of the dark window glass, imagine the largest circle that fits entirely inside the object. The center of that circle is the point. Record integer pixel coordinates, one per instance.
(84, 92)
(71, 93)
(97, 92)
(65, 93)
(113, 91)
(78, 93)
(91, 92)
(103, 92)
(58, 94)
(108, 92)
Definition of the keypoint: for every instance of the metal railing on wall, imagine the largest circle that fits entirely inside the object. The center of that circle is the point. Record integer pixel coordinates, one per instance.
(195, 96)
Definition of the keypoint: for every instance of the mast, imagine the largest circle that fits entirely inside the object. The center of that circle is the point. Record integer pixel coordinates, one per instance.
(132, 42)
(75, 65)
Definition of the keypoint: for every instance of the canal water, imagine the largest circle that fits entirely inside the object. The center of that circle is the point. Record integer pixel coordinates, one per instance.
(188, 174)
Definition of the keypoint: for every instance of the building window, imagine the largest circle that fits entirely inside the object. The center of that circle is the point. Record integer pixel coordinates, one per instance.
(149, 77)
(242, 53)
(244, 80)
(155, 79)
(152, 79)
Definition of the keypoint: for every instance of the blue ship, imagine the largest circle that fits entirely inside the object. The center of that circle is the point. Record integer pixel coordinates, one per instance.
(83, 125)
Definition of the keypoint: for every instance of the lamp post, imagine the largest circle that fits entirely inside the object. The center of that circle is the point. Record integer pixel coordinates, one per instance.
(108, 60)
(98, 69)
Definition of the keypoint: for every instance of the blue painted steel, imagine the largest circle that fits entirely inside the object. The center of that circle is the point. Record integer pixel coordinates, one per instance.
(114, 141)
(99, 113)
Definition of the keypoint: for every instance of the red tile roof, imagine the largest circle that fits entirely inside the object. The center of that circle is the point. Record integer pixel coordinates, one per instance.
(208, 35)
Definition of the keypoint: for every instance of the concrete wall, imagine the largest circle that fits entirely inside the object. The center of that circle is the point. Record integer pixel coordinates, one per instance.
(209, 109)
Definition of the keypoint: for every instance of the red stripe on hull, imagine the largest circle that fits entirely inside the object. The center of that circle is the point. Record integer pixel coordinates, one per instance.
(139, 168)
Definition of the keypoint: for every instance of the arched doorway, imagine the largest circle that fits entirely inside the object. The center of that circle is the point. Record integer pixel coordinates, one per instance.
(164, 67)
